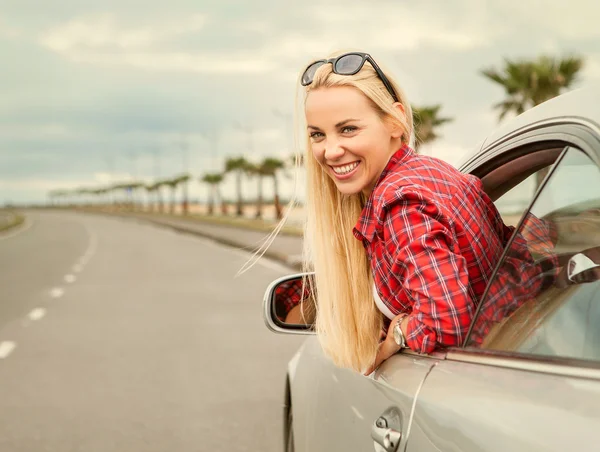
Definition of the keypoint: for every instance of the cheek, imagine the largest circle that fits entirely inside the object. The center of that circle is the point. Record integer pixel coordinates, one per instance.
(318, 151)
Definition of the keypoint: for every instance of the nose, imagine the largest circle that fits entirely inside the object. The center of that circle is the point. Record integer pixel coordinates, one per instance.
(333, 150)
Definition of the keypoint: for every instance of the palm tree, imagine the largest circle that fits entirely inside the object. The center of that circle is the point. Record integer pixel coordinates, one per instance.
(258, 171)
(238, 165)
(184, 179)
(100, 193)
(297, 159)
(118, 188)
(530, 82)
(151, 188)
(270, 167)
(132, 188)
(157, 187)
(172, 184)
(214, 180)
(426, 121)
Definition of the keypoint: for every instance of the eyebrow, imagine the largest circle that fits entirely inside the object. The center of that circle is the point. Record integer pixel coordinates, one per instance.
(339, 124)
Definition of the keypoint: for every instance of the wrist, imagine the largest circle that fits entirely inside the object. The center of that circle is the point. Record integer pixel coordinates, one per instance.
(398, 329)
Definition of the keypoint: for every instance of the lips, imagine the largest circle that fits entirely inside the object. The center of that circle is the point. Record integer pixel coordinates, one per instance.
(344, 172)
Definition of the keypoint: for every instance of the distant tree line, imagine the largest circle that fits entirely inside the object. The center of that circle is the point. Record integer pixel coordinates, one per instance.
(526, 82)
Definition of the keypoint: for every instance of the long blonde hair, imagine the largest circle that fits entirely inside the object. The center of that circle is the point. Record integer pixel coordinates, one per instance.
(348, 322)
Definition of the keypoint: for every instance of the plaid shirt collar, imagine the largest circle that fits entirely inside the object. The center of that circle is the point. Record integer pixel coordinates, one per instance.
(370, 217)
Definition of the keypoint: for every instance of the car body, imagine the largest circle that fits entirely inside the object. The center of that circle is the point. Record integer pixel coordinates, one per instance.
(533, 384)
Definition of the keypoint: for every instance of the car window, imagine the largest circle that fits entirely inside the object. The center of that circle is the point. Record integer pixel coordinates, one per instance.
(544, 297)
(513, 204)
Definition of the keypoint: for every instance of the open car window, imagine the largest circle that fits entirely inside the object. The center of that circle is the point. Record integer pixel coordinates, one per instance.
(543, 299)
(513, 184)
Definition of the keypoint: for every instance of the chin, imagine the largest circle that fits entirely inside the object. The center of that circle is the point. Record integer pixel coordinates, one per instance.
(349, 189)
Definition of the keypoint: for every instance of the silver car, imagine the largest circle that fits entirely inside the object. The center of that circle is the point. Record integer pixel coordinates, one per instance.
(530, 380)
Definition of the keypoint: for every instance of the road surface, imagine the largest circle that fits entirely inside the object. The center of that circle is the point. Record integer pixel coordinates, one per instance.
(121, 336)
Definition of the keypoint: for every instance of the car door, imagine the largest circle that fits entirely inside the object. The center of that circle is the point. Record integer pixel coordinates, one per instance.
(339, 409)
(528, 377)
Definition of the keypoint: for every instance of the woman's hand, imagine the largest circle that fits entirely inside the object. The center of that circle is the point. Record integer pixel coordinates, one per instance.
(388, 347)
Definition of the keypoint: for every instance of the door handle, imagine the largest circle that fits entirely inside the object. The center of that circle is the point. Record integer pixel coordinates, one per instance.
(384, 436)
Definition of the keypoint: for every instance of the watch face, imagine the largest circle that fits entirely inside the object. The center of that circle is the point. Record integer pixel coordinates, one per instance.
(398, 335)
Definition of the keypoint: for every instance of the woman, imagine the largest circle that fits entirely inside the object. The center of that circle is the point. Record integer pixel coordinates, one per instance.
(398, 241)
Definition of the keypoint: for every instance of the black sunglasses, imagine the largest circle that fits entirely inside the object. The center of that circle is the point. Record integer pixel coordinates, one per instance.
(347, 64)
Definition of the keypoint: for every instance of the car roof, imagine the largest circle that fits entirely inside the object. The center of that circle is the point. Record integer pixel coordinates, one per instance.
(580, 103)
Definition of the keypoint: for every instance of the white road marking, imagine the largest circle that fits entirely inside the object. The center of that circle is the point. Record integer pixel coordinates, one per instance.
(26, 225)
(37, 314)
(70, 278)
(6, 348)
(57, 292)
(91, 249)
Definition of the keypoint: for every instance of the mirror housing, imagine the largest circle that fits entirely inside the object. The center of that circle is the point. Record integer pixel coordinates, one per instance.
(285, 309)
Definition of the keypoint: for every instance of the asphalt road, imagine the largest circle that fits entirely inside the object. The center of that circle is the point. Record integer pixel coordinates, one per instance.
(121, 336)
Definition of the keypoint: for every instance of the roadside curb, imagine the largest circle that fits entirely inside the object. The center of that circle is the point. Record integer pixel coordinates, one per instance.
(279, 257)
(293, 262)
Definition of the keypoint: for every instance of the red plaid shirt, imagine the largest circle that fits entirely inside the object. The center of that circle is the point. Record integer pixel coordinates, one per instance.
(433, 238)
(288, 295)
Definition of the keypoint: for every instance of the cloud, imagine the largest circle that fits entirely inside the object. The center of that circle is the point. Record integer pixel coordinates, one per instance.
(89, 82)
(102, 40)
(101, 32)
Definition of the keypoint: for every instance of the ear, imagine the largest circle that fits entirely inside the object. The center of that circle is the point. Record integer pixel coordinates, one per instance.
(397, 131)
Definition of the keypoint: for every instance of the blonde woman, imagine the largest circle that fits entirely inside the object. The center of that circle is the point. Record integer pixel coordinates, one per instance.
(402, 245)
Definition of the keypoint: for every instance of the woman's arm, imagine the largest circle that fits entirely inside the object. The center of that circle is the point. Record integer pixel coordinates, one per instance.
(428, 269)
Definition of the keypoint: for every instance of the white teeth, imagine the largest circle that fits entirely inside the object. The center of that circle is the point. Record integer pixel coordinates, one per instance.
(345, 169)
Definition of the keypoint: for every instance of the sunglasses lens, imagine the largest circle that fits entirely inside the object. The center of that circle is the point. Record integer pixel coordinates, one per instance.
(348, 64)
(309, 73)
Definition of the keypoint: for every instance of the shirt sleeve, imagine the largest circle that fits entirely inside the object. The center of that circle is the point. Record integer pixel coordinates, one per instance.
(424, 258)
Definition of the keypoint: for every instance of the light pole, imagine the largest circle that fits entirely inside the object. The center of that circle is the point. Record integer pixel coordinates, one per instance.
(288, 120)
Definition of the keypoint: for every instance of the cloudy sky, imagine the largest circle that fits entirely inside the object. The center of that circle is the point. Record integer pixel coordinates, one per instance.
(92, 92)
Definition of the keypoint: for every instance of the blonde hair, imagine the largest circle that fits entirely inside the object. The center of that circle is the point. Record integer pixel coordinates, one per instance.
(348, 323)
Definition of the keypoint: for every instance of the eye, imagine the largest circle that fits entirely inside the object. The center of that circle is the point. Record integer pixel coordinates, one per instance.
(316, 135)
(349, 129)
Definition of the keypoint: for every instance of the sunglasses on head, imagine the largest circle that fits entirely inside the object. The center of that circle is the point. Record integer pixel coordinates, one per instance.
(347, 64)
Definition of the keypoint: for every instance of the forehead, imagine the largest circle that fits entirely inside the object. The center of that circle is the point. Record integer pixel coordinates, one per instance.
(331, 105)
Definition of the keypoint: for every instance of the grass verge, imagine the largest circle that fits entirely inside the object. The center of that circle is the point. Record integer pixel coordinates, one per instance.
(16, 220)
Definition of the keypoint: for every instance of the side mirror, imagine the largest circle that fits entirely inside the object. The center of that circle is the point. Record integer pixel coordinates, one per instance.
(289, 306)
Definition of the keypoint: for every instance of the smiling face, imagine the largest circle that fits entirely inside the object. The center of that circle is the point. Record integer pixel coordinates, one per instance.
(348, 137)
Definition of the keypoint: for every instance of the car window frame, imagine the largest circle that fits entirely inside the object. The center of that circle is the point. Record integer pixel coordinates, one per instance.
(518, 227)
(566, 132)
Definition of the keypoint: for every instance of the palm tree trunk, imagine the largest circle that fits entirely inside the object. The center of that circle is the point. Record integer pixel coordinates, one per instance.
(211, 200)
(278, 210)
(184, 205)
(259, 200)
(173, 200)
(159, 200)
(223, 205)
(240, 209)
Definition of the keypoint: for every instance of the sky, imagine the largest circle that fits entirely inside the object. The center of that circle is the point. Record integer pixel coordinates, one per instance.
(93, 93)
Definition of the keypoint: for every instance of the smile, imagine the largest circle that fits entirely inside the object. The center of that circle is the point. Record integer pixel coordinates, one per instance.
(345, 169)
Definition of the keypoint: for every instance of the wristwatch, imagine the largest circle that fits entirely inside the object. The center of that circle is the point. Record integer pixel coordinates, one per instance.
(398, 334)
